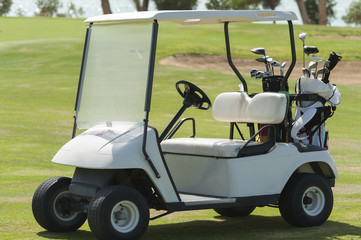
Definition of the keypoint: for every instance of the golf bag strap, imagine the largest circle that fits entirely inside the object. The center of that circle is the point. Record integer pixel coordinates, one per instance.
(311, 121)
(300, 123)
(322, 114)
(309, 97)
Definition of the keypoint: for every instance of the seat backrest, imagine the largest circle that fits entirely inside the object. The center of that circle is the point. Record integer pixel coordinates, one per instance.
(263, 108)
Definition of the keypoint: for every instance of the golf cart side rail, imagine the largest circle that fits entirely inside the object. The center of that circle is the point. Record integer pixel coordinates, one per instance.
(197, 17)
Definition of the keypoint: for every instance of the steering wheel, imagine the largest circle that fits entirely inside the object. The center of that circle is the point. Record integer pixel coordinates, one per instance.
(193, 95)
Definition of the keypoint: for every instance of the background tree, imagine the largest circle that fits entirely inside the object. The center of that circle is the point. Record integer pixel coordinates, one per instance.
(219, 4)
(303, 11)
(48, 8)
(73, 11)
(5, 6)
(141, 6)
(316, 11)
(312, 7)
(353, 13)
(242, 4)
(106, 7)
(175, 4)
(272, 4)
(322, 12)
(245, 4)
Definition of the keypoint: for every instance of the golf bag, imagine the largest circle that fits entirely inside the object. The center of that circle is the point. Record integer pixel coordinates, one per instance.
(272, 83)
(311, 112)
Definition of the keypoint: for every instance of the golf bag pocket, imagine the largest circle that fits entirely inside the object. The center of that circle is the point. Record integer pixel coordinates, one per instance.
(321, 115)
(309, 127)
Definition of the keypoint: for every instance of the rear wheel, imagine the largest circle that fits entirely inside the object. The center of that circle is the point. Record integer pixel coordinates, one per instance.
(235, 211)
(306, 201)
(118, 212)
(52, 206)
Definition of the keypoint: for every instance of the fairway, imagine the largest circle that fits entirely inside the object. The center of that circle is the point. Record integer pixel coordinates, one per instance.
(39, 71)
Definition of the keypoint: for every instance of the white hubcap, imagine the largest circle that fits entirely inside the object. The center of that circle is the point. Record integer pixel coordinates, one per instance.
(124, 216)
(59, 206)
(313, 201)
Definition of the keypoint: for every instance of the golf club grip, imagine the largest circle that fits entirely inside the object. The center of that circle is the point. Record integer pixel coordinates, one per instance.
(325, 78)
(333, 59)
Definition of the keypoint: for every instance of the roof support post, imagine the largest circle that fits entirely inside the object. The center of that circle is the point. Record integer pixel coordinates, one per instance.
(148, 95)
(229, 57)
(293, 51)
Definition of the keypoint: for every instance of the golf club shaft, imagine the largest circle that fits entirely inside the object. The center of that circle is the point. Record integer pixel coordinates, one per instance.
(303, 54)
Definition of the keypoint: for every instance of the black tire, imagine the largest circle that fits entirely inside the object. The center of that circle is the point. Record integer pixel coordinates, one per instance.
(306, 201)
(118, 212)
(51, 206)
(235, 211)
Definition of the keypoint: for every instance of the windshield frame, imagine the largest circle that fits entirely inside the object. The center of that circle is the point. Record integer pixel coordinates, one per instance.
(116, 78)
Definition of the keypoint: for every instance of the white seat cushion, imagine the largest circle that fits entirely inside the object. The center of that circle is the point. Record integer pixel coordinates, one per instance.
(264, 108)
(203, 146)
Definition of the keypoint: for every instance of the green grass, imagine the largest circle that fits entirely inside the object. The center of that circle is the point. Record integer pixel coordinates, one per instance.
(273, 37)
(40, 63)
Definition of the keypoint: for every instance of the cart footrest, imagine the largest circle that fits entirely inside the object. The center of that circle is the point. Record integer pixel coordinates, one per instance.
(190, 200)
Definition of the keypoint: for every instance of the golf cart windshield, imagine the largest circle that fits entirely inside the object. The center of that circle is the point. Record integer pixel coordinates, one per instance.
(115, 68)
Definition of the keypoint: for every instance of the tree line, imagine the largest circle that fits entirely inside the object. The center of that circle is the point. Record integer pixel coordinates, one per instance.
(312, 11)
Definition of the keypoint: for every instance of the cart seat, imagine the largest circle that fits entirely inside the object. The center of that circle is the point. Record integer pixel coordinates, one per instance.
(263, 108)
(224, 148)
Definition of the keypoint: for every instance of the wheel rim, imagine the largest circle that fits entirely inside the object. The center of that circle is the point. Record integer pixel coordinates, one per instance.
(125, 216)
(313, 201)
(61, 207)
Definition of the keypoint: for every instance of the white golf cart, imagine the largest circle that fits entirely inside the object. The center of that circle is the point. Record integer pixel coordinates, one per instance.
(124, 168)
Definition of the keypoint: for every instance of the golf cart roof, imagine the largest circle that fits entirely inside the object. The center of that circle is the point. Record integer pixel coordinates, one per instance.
(196, 17)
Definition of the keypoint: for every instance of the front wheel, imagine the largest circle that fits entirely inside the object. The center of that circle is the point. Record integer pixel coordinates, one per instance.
(306, 201)
(118, 212)
(52, 206)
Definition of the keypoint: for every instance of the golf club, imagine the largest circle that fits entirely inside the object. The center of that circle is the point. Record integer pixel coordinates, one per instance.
(322, 71)
(269, 60)
(259, 74)
(316, 59)
(332, 61)
(310, 50)
(263, 60)
(259, 51)
(282, 68)
(312, 65)
(274, 63)
(306, 72)
(302, 36)
(253, 72)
